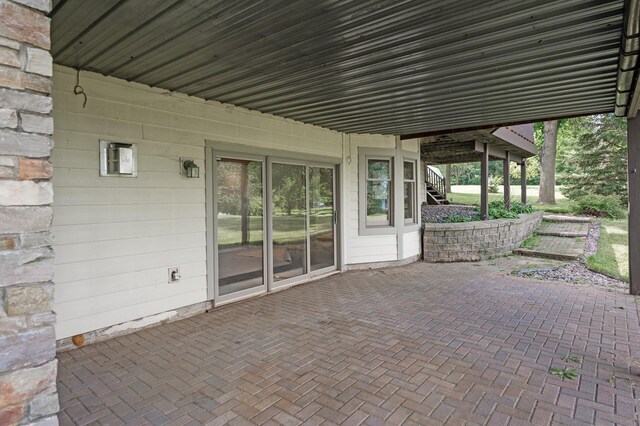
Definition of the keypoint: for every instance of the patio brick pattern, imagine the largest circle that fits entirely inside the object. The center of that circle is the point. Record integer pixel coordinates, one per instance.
(420, 344)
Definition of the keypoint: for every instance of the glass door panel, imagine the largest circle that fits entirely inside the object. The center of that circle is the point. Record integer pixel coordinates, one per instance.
(321, 218)
(289, 195)
(240, 217)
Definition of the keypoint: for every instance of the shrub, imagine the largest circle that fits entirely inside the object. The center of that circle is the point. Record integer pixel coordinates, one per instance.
(519, 208)
(497, 211)
(456, 218)
(494, 184)
(600, 206)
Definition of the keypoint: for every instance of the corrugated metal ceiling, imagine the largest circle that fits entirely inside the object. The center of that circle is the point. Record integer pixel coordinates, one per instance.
(394, 67)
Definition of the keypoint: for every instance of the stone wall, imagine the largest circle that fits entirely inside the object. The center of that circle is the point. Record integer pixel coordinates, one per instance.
(27, 340)
(470, 241)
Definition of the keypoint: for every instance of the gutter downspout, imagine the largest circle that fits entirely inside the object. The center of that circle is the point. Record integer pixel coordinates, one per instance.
(629, 52)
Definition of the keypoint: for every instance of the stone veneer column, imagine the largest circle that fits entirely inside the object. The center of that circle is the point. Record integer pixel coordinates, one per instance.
(27, 340)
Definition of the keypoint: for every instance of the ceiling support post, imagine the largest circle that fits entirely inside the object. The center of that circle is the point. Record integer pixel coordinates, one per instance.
(523, 181)
(484, 183)
(506, 180)
(633, 135)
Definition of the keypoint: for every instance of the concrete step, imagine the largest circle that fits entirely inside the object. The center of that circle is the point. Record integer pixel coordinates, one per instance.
(546, 255)
(565, 219)
(562, 234)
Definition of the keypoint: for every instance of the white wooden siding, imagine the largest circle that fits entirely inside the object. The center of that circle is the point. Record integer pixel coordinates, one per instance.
(411, 244)
(116, 237)
(366, 248)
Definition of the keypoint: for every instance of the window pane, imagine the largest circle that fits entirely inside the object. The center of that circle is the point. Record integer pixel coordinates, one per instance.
(409, 200)
(408, 170)
(379, 169)
(240, 234)
(289, 221)
(378, 202)
(321, 250)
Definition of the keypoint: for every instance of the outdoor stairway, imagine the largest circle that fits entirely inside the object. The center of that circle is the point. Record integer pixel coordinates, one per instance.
(559, 237)
(435, 197)
(436, 192)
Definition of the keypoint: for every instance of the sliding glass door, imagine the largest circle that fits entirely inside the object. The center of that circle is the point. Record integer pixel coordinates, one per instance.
(240, 226)
(289, 220)
(322, 218)
(303, 221)
(274, 223)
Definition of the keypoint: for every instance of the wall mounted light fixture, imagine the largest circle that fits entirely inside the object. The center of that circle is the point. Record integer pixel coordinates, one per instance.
(189, 168)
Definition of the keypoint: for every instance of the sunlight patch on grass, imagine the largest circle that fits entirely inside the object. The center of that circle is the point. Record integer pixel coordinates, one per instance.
(612, 257)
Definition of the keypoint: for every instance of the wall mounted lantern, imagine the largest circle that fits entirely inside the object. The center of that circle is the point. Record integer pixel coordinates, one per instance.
(118, 159)
(191, 169)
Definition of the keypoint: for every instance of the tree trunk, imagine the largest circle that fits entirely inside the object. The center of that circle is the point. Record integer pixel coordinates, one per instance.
(447, 179)
(457, 172)
(548, 163)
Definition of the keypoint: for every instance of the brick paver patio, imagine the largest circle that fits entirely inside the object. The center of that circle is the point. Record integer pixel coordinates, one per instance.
(422, 344)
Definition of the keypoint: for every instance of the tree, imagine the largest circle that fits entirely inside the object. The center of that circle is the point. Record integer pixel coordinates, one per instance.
(466, 173)
(598, 161)
(533, 171)
(447, 179)
(548, 163)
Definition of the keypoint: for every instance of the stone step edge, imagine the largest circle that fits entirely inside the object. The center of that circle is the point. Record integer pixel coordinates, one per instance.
(566, 219)
(546, 255)
(562, 234)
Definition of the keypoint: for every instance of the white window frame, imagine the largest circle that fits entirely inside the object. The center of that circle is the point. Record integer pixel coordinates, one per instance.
(414, 195)
(364, 156)
(410, 226)
(397, 158)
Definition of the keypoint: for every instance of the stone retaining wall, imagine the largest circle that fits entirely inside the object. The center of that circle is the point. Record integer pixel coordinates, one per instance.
(470, 241)
(27, 339)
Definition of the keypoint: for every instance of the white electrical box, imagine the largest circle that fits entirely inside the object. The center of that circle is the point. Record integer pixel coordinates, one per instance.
(118, 159)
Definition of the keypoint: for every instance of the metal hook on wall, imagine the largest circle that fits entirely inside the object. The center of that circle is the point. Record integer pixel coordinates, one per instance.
(79, 90)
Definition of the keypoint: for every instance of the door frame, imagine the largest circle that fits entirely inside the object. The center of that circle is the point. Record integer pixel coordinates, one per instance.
(213, 287)
(214, 149)
(335, 219)
(272, 285)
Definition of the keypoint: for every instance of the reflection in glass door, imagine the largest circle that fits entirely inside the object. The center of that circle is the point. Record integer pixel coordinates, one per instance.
(289, 220)
(321, 218)
(240, 225)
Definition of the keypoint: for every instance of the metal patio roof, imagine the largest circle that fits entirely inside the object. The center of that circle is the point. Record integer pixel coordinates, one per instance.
(399, 67)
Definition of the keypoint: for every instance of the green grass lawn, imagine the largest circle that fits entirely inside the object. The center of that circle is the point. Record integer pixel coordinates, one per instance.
(470, 195)
(612, 257)
(287, 229)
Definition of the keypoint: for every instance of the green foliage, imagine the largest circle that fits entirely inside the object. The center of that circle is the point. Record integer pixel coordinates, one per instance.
(494, 184)
(519, 208)
(571, 358)
(532, 242)
(289, 194)
(497, 211)
(608, 206)
(229, 179)
(567, 373)
(597, 162)
(533, 171)
(456, 218)
(569, 132)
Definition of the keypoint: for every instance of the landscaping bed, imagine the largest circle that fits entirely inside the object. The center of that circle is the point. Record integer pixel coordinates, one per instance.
(471, 241)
